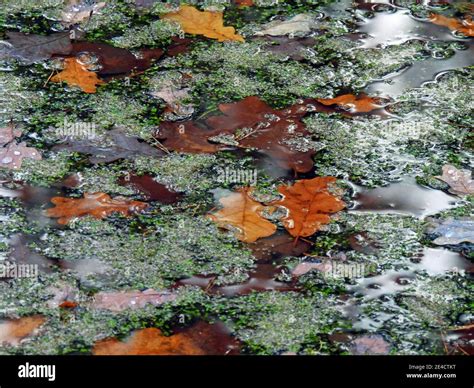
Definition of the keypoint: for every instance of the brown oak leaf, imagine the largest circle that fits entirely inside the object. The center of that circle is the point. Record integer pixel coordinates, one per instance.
(309, 204)
(98, 205)
(207, 23)
(11, 153)
(76, 74)
(254, 124)
(354, 104)
(242, 213)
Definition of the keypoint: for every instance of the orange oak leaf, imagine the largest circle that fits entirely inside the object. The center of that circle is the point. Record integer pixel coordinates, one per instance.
(355, 104)
(464, 26)
(13, 331)
(200, 339)
(309, 204)
(242, 213)
(76, 74)
(98, 205)
(209, 24)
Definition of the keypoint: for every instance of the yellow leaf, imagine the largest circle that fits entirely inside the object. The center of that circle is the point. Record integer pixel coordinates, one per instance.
(243, 213)
(76, 74)
(209, 24)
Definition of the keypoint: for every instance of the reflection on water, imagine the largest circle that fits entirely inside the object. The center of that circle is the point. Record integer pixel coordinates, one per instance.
(404, 197)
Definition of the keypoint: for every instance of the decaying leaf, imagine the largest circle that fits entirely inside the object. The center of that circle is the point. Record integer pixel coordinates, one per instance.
(30, 48)
(248, 123)
(122, 300)
(291, 47)
(309, 204)
(370, 344)
(354, 104)
(307, 266)
(277, 246)
(98, 205)
(7, 134)
(460, 181)
(13, 331)
(76, 74)
(207, 23)
(244, 3)
(253, 124)
(152, 190)
(187, 136)
(453, 231)
(174, 92)
(242, 213)
(110, 60)
(464, 26)
(11, 153)
(123, 147)
(298, 24)
(200, 339)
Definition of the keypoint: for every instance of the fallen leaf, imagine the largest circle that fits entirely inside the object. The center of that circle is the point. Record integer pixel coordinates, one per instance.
(291, 47)
(12, 155)
(277, 246)
(254, 124)
(98, 205)
(122, 300)
(309, 204)
(76, 74)
(173, 92)
(298, 24)
(200, 339)
(354, 104)
(30, 48)
(7, 134)
(306, 266)
(187, 136)
(460, 181)
(152, 190)
(207, 23)
(111, 60)
(13, 331)
(244, 214)
(464, 26)
(453, 232)
(370, 344)
(123, 147)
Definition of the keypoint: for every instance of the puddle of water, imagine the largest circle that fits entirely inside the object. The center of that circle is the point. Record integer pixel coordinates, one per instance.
(436, 261)
(405, 197)
(421, 72)
(389, 28)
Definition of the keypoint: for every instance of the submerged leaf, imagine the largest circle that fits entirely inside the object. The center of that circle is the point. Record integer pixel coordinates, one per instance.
(98, 205)
(30, 48)
(243, 213)
(309, 204)
(207, 23)
(460, 181)
(453, 232)
(13, 331)
(355, 104)
(465, 26)
(76, 74)
(122, 300)
(298, 24)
